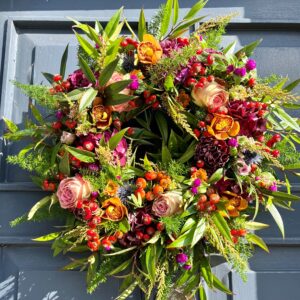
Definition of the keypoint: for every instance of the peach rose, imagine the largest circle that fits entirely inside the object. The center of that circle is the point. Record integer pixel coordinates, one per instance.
(222, 127)
(234, 204)
(212, 96)
(102, 116)
(149, 50)
(167, 204)
(72, 189)
(111, 188)
(115, 210)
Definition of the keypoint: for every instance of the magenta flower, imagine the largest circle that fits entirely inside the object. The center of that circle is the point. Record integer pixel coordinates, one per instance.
(181, 258)
(197, 182)
(240, 71)
(233, 142)
(187, 267)
(229, 69)
(251, 64)
(134, 85)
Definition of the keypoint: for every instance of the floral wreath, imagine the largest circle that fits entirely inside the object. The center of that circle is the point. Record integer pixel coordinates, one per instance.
(159, 152)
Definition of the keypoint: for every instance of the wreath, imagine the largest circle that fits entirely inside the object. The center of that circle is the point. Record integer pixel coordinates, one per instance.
(158, 153)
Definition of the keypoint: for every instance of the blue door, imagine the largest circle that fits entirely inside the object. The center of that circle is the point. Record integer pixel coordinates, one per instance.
(33, 35)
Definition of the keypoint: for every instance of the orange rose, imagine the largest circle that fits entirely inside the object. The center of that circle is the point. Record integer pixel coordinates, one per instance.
(111, 188)
(212, 96)
(235, 204)
(222, 127)
(101, 116)
(115, 210)
(149, 50)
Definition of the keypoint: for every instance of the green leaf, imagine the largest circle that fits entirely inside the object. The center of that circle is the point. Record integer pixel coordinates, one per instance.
(276, 216)
(150, 261)
(280, 84)
(98, 27)
(124, 225)
(82, 155)
(128, 291)
(120, 252)
(188, 154)
(141, 25)
(112, 51)
(283, 116)
(220, 286)
(54, 153)
(195, 9)
(86, 69)
(229, 47)
(48, 76)
(47, 237)
(184, 27)
(117, 87)
(75, 95)
(202, 293)
(169, 83)
(113, 23)
(216, 176)
(248, 50)
(292, 85)
(206, 272)
(64, 165)
(12, 127)
(123, 266)
(164, 26)
(37, 206)
(115, 139)
(282, 195)
(251, 225)
(162, 125)
(199, 231)
(292, 166)
(183, 240)
(87, 98)
(37, 114)
(166, 156)
(222, 225)
(189, 223)
(86, 46)
(107, 72)
(175, 11)
(115, 99)
(254, 239)
(63, 62)
(75, 264)
(291, 106)
(117, 32)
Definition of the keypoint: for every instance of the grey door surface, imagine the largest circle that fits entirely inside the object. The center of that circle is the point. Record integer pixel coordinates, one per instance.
(33, 34)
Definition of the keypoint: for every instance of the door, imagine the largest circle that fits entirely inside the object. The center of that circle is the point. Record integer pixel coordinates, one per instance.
(33, 35)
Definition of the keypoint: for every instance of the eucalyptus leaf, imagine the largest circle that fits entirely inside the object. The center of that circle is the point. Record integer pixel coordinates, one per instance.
(37, 206)
(82, 155)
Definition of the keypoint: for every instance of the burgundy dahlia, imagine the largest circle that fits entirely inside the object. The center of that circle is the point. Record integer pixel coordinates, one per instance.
(214, 153)
(251, 124)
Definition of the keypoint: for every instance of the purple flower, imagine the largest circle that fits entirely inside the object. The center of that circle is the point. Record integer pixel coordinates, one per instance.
(240, 71)
(95, 194)
(233, 142)
(187, 267)
(78, 79)
(59, 114)
(194, 190)
(94, 167)
(251, 64)
(170, 45)
(273, 187)
(134, 85)
(181, 258)
(197, 182)
(229, 69)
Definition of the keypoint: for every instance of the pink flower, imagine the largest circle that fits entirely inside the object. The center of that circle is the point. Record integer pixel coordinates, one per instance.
(124, 106)
(67, 138)
(242, 167)
(72, 189)
(78, 79)
(167, 204)
(212, 96)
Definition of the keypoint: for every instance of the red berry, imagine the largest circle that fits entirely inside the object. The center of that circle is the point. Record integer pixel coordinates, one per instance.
(117, 123)
(51, 187)
(87, 214)
(210, 78)
(201, 124)
(180, 40)
(141, 183)
(260, 138)
(140, 192)
(52, 91)
(91, 233)
(155, 105)
(57, 77)
(193, 170)
(251, 82)
(200, 163)
(199, 51)
(261, 113)
(242, 232)
(70, 124)
(185, 41)
(235, 239)
(214, 198)
(277, 137)
(58, 88)
(88, 145)
(151, 99)
(234, 232)
(139, 235)
(93, 245)
(196, 67)
(190, 81)
(209, 60)
(79, 204)
(203, 80)
(124, 43)
(93, 206)
(130, 131)
(66, 85)
(201, 206)
(150, 230)
(147, 219)
(160, 226)
(197, 132)
(276, 153)
(45, 184)
(150, 175)
(146, 237)
(203, 71)
(199, 85)
(130, 41)
(146, 94)
(264, 106)
(253, 168)
(56, 125)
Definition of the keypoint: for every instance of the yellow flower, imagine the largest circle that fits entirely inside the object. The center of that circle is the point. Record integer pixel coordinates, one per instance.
(149, 50)
(235, 204)
(115, 210)
(222, 127)
(111, 188)
(201, 174)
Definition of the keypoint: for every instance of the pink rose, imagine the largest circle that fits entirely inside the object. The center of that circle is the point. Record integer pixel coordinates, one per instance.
(167, 204)
(72, 189)
(212, 96)
(124, 106)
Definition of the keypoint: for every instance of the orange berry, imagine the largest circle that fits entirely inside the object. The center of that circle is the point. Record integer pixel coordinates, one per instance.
(150, 175)
(141, 182)
(157, 189)
(141, 192)
(202, 199)
(165, 182)
(160, 175)
(150, 196)
(214, 198)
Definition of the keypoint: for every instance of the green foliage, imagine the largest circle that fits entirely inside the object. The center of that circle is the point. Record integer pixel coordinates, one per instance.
(110, 226)
(173, 224)
(175, 169)
(98, 180)
(288, 154)
(40, 94)
(155, 23)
